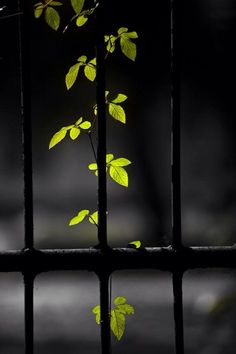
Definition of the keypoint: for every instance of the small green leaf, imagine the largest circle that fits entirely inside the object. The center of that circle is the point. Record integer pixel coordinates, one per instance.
(121, 162)
(126, 309)
(119, 175)
(85, 125)
(120, 98)
(57, 137)
(74, 133)
(79, 121)
(55, 3)
(82, 59)
(52, 18)
(72, 74)
(93, 166)
(109, 157)
(77, 5)
(81, 20)
(38, 11)
(97, 313)
(93, 218)
(135, 244)
(90, 70)
(110, 40)
(128, 48)
(117, 323)
(117, 112)
(78, 218)
(119, 300)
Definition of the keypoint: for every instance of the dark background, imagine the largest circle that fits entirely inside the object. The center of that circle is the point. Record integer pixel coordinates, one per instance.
(63, 185)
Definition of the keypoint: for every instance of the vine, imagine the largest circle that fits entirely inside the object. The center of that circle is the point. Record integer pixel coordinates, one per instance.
(115, 167)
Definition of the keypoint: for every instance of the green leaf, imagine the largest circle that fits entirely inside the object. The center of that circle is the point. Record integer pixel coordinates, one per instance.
(85, 125)
(72, 74)
(93, 218)
(93, 166)
(55, 3)
(97, 313)
(126, 309)
(120, 98)
(38, 11)
(57, 137)
(110, 40)
(135, 244)
(109, 157)
(74, 133)
(78, 218)
(117, 112)
(90, 70)
(119, 300)
(79, 121)
(77, 5)
(121, 162)
(122, 30)
(81, 20)
(52, 18)
(128, 48)
(82, 59)
(119, 175)
(117, 323)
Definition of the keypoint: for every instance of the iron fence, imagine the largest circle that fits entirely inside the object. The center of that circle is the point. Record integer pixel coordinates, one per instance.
(103, 260)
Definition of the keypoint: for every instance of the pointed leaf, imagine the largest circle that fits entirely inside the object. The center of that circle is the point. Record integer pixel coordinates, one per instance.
(93, 218)
(38, 11)
(72, 74)
(90, 71)
(78, 218)
(82, 59)
(55, 3)
(85, 125)
(121, 162)
(122, 30)
(119, 175)
(117, 323)
(52, 18)
(97, 312)
(128, 48)
(93, 166)
(120, 98)
(126, 309)
(135, 244)
(117, 112)
(79, 121)
(57, 137)
(81, 20)
(132, 35)
(74, 133)
(77, 5)
(110, 40)
(119, 300)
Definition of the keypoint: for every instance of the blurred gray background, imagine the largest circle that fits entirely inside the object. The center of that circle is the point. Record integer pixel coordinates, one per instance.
(63, 185)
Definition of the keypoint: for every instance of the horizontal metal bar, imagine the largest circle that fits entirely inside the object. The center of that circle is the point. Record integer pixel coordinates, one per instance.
(92, 259)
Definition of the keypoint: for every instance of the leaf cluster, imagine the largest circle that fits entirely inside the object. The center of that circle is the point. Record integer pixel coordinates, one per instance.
(125, 38)
(84, 214)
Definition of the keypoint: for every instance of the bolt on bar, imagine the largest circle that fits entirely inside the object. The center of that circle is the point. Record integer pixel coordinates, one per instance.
(24, 7)
(102, 183)
(176, 171)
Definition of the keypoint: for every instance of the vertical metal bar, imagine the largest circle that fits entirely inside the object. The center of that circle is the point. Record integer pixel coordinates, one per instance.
(105, 316)
(101, 115)
(178, 312)
(24, 50)
(175, 117)
(29, 313)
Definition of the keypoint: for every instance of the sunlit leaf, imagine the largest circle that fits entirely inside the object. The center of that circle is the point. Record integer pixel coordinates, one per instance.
(55, 3)
(57, 137)
(90, 70)
(120, 98)
(128, 48)
(85, 125)
(132, 35)
(81, 20)
(117, 112)
(135, 244)
(110, 40)
(109, 157)
(119, 300)
(79, 121)
(117, 323)
(82, 59)
(38, 11)
(79, 218)
(77, 5)
(119, 175)
(93, 218)
(74, 133)
(121, 162)
(72, 74)
(92, 166)
(97, 313)
(126, 309)
(122, 30)
(52, 18)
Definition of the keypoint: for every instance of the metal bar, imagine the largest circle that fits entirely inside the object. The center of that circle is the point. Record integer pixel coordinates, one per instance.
(101, 116)
(29, 313)
(166, 259)
(175, 118)
(24, 6)
(178, 312)
(105, 315)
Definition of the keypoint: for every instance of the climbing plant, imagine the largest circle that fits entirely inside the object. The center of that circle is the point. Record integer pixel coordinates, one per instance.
(117, 167)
